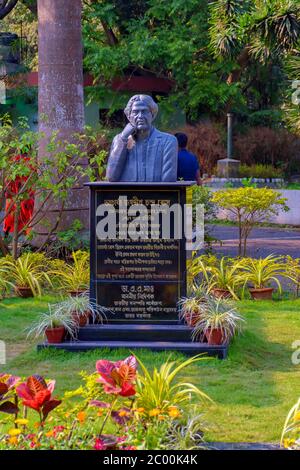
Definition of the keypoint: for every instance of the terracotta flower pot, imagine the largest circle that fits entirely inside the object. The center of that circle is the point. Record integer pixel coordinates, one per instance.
(55, 335)
(81, 320)
(24, 292)
(261, 294)
(214, 336)
(221, 293)
(191, 318)
(75, 293)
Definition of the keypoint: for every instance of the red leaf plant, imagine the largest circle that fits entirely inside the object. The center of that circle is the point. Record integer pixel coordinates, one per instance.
(7, 392)
(118, 377)
(37, 394)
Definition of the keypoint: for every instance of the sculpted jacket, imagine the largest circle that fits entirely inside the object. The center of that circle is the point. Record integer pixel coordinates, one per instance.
(151, 159)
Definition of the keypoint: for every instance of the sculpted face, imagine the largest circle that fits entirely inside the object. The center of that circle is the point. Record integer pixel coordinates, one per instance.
(141, 116)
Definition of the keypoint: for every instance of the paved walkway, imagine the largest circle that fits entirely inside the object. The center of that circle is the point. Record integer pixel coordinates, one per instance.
(262, 241)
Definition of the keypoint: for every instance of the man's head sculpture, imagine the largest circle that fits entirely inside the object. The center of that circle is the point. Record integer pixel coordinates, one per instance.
(141, 152)
(141, 110)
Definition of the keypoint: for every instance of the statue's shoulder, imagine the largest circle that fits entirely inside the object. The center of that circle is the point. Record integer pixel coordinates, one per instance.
(164, 135)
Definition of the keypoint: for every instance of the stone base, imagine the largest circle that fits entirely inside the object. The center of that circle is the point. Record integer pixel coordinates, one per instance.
(154, 337)
(228, 168)
(188, 348)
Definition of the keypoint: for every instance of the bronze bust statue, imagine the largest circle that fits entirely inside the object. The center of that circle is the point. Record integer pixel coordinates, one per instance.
(141, 152)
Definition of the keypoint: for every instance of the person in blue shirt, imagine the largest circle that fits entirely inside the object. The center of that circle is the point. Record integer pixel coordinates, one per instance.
(188, 166)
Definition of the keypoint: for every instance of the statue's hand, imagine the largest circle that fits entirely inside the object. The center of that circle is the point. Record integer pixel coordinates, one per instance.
(128, 131)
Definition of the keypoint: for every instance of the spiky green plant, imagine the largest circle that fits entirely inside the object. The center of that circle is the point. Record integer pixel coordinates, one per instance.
(54, 318)
(218, 314)
(259, 273)
(75, 276)
(163, 388)
(27, 271)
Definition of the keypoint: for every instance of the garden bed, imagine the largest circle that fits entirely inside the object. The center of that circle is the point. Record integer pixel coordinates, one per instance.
(252, 389)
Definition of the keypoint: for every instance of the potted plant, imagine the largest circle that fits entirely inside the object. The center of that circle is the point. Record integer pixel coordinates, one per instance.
(54, 325)
(27, 274)
(74, 278)
(191, 306)
(259, 273)
(219, 321)
(222, 278)
(190, 310)
(82, 309)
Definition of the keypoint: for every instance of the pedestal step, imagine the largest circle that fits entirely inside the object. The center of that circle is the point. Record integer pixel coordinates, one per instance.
(189, 348)
(135, 332)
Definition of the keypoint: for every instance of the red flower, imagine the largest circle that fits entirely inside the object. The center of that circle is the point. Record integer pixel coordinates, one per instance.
(118, 377)
(99, 445)
(36, 394)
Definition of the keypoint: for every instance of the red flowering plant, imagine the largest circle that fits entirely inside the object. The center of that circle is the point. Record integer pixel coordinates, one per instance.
(8, 398)
(118, 379)
(115, 408)
(37, 394)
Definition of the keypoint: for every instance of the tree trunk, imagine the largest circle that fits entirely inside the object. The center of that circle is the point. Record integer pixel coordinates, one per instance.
(61, 99)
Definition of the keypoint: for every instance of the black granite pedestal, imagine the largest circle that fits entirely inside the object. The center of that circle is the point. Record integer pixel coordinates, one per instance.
(139, 280)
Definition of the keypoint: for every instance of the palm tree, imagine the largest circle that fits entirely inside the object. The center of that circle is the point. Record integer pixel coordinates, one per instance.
(291, 107)
(242, 31)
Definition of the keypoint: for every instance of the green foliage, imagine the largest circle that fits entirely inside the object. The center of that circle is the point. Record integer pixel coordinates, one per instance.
(62, 169)
(76, 276)
(220, 274)
(259, 170)
(54, 318)
(247, 206)
(202, 196)
(292, 272)
(29, 270)
(259, 273)
(162, 388)
(218, 314)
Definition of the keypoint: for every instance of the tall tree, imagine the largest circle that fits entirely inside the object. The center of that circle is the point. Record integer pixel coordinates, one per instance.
(61, 100)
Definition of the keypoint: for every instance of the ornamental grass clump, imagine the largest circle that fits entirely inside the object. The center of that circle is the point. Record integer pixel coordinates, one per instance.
(74, 278)
(27, 272)
(219, 321)
(260, 273)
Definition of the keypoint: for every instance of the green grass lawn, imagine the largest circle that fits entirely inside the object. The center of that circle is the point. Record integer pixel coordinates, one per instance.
(253, 389)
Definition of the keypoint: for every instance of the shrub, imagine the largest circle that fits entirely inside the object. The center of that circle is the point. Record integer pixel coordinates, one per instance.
(218, 314)
(259, 273)
(263, 145)
(74, 277)
(30, 270)
(292, 272)
(260, 170)
(247, 206)
(221, 274)
(202, 195)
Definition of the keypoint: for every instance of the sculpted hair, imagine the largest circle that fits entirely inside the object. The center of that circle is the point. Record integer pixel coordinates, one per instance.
(147, 99)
